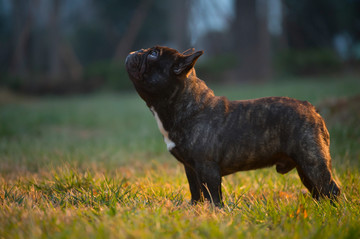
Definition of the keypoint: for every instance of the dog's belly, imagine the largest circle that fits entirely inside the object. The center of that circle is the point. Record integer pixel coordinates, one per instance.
(260, 149)
(283, 163)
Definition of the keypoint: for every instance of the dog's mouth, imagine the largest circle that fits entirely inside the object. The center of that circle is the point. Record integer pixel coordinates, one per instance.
(136, 65)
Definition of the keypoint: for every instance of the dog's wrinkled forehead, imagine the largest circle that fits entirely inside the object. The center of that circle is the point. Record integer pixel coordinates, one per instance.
(172, 52)
(165, 51)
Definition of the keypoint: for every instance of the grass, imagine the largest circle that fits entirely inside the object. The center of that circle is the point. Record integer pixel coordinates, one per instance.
(95, 166)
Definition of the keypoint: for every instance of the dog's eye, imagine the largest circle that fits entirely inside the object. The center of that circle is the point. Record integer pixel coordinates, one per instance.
(153, 55)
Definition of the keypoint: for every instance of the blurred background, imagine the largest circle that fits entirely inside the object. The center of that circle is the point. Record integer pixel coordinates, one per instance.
(81, 154)
(66, 99)
(73, 46)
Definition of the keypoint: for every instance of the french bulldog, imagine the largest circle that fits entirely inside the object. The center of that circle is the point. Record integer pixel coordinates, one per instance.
(214, 137)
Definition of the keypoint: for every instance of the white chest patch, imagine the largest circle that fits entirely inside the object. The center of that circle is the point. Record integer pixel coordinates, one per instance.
(169, 144)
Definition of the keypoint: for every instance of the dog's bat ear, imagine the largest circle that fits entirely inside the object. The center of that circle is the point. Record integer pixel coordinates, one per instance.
(186, 62)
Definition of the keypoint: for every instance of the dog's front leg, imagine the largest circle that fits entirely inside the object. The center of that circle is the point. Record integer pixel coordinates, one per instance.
(194, 184)
(210, 179)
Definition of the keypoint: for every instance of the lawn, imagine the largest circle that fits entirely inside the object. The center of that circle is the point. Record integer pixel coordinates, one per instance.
(95, 166)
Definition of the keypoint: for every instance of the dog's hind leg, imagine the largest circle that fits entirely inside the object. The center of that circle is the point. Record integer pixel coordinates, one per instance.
(210, 179)
(308, 184)
(314, 168)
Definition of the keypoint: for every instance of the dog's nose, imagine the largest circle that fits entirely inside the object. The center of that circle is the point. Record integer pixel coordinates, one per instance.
(128, 57)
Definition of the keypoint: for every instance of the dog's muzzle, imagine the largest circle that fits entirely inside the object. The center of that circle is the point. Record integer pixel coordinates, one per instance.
(135, 65)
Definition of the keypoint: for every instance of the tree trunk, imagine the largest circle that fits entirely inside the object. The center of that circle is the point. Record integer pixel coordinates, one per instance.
(252, 40)
(22, 20)
(54, 53)
(71, 62)
(133, 30)
(179, 25)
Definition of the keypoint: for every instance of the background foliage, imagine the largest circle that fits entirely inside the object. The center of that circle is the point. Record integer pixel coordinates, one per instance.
(67, 46)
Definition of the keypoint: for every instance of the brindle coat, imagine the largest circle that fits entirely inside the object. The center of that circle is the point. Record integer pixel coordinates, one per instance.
(214, 137)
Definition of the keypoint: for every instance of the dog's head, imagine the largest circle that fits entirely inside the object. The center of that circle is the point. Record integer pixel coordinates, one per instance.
(155, 71)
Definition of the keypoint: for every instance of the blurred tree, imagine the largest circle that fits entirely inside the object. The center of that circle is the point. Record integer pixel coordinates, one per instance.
(22, 19)
(41, 59)
(46, 44)
(5, 44)
(252, 40)
(133, 29)
(54, 42)
(120, 27)
(317, 34)
(179, 29)
(309, 23)
(313, 24)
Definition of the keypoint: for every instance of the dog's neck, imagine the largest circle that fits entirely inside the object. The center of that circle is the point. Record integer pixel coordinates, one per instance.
(183, 102)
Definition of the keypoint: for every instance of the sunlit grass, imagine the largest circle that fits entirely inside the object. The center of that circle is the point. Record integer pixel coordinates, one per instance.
(71, 202)
(96, 167)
